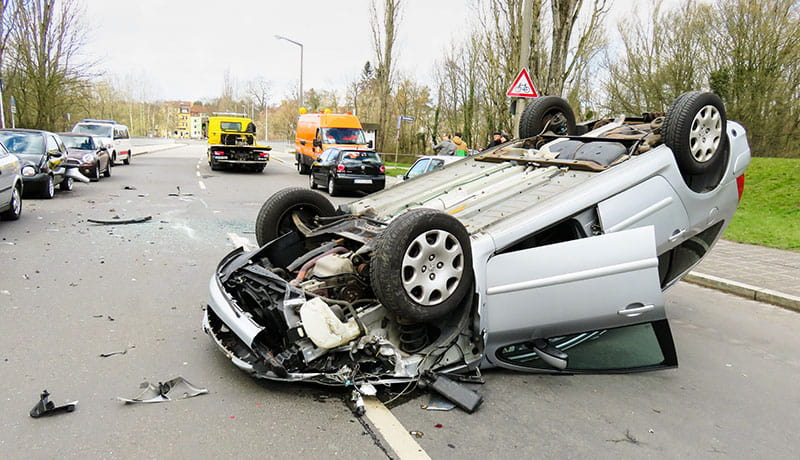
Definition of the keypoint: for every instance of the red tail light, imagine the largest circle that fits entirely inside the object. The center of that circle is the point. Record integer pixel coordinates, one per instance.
(340, 168)
(740, 186)
(219, 152)
(264, 155)
(383, 169)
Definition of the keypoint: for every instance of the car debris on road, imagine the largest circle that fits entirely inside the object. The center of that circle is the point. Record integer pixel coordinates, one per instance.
(45, 407)
(170, 390)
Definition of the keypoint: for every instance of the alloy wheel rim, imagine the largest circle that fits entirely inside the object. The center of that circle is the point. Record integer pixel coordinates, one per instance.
(432, 267)
(16, 203)
(705, 133)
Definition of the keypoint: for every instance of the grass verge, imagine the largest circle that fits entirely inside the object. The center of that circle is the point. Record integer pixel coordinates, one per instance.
(769, 213)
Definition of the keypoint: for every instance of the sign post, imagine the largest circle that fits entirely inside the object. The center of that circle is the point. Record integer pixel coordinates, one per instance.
(522, 87)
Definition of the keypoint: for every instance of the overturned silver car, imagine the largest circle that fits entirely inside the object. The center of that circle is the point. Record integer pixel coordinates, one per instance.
(546, 254)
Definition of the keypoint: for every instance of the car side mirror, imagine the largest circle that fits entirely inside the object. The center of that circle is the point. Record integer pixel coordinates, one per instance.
(302, 142)
(317, 143)
(369, 144)
(56, 154)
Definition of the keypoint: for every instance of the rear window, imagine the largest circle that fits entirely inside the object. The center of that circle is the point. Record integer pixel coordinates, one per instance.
(230, 126)
(97, 130)
(23, 143)
(360, 157)
(78, 142)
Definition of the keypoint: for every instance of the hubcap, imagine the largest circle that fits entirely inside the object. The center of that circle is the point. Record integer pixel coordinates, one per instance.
(51, 187)
(705, 134)
(432, 267)
(16, 203)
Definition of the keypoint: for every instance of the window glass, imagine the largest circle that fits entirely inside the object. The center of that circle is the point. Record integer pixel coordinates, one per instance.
(343, 136)
(418, 168)
(436, 164)
(52, 145)
(22, 143)
(623, 348)
(230, 126)
(351, 156)
(78, 142)
(96, 129)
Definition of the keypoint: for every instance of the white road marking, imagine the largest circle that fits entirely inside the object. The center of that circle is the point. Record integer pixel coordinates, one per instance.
(201, 184)
(198, 173)
(241, 241)
(393, 431)
(277, 159)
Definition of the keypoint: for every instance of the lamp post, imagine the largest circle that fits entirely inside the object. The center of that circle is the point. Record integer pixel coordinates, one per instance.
(280, 37)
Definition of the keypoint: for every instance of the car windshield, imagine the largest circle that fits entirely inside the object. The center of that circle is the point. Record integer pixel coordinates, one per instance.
(417, 169)
(360, 157)
(230, 126)
(97, 130)
(78, 142)
(343, 136)
(23, 143)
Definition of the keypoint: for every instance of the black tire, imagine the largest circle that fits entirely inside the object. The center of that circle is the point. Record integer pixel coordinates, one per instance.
(15, 206)
(214, 165)
(127, 160)
(66, 184)
(543, 113)
(404, 278)
(113, 158)
(311, 184)
(695, 129)
(333, 190)
(304, 168)
(49, 190)
(275, 216)
(107, 172)
(96, 176)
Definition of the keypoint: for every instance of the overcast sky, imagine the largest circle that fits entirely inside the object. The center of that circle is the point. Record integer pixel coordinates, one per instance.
(181, 49)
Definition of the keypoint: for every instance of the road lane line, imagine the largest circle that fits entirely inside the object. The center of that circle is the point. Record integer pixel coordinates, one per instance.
(198, 173)
(241, 241)
(201, 184)
(393, 431)
(278, 159)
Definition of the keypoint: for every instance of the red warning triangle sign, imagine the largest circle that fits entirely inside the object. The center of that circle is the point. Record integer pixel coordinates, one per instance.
(522, 86)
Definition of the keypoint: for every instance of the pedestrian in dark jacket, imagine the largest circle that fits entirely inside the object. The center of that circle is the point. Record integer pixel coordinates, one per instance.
(495, 139)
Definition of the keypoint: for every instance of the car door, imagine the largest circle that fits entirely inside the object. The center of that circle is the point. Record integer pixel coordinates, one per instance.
(596, 299)
(320, 167)
(6, 175)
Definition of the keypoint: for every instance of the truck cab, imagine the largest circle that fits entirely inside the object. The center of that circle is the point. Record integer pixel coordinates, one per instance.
(319, 131)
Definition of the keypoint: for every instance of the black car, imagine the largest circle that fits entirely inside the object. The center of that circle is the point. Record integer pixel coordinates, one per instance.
(89, 151)
(40, 153)
(351, 169)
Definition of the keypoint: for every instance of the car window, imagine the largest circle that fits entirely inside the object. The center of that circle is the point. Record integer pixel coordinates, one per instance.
(343, 136)
(435, 164)
(96, 129)
(78, 142)
(623, 348)
(52, 144)
(418, 168)
(23, 143)
(349, 156)
(230, 126)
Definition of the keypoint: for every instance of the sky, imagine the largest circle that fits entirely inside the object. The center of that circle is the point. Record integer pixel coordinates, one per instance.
(181, 49)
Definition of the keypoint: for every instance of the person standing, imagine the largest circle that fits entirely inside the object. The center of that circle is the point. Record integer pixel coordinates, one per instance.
(495, 139)
(445, 147)
(461, 146)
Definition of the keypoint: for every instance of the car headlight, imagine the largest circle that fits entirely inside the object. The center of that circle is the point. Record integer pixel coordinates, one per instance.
(28, 171)
(88, 158)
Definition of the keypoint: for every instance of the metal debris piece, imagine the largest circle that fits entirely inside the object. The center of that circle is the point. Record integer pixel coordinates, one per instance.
(439, 402)
(46, 407)
(112, 353)
(416, 434)
(118, 221)
(177, 388)
(129, 187)
(179, 193)
(356, 403)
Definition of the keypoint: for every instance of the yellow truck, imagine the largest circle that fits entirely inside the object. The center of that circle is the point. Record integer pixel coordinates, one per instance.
(232, 143)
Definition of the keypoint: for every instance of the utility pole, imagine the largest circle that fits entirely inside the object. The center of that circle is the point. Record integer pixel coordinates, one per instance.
(266, 117)
(2, 115)
(524, 55)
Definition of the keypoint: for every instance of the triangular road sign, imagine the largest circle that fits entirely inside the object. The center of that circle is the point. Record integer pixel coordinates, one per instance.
(522, 86)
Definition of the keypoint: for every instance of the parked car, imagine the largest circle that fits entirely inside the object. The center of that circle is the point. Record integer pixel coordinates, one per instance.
(428, 163)
(40, 153)
(10, 186)
(548, 254)
(113, 136)
(348, 169)
(88, 150)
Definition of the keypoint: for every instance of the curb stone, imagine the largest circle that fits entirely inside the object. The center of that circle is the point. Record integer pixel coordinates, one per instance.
(745, 290)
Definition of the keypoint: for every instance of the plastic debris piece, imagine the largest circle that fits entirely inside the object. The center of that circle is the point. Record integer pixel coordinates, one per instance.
(416, 434)
(112, 353)
(177, 388)
(439, 402)
(356, 403)
(45, 407)
(136, 220)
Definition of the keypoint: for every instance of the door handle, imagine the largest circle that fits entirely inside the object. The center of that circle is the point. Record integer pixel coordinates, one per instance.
(677, 233)
(632, 310)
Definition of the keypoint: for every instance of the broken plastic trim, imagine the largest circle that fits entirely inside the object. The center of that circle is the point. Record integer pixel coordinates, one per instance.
(137, 220)
(46, 407)
(179, 387)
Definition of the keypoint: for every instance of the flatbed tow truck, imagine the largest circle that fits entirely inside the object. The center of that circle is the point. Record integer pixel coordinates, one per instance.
(232, 143)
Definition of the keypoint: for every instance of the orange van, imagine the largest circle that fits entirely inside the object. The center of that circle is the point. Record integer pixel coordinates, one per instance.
(319, 131)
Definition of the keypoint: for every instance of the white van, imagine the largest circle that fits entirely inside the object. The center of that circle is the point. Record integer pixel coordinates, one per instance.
(115, 137)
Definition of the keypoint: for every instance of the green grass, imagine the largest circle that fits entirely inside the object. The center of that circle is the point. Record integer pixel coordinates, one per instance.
(396, 169)
(769, 213)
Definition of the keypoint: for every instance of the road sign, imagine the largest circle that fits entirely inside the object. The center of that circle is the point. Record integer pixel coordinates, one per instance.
(407, 118)
(522, 86)
(13, 105)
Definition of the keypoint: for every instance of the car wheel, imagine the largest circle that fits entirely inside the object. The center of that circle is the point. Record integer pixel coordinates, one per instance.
(695, 129)
(332, 189)
(422, 265)
(547, 113)
(114, 158)
(107, 172)
(49, 190)
(311, 182)
(127, 160)
(15, 206)
(96, 175)
(66, 184)
(275, 218)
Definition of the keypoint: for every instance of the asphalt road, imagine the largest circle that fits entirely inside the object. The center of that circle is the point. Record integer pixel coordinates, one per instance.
(735, 394)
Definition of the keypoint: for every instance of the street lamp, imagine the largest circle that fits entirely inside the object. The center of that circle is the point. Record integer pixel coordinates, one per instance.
(280, 37)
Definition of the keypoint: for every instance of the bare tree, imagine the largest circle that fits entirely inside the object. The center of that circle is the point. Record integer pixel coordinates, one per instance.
(384, 37)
